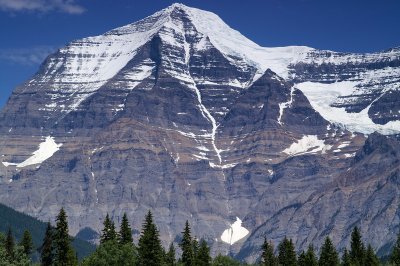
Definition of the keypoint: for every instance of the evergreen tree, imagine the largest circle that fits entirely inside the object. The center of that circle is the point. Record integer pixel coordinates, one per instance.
(395, 256)
(170, 259)
(149, 249)
(195, 248)
(346, 260)
(287, 253)
(267, 257)
(370, 257)
(65, 255)
(203, 257)
(125, 232)
(27, 243)
(329, 255)
(187, 246)
(47, 249)
(108, 232)
(310, 257)
(301, 261)
(10, 245)
(357, 248)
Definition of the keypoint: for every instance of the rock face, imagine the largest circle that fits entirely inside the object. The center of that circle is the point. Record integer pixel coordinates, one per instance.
(198, 123)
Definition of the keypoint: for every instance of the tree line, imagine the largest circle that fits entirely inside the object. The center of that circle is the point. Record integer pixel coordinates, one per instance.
(118, 248)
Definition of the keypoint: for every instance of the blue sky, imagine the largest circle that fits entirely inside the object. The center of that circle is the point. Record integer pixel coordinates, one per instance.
(31, 29)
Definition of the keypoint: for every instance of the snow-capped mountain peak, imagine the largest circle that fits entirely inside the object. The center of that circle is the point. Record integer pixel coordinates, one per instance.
(77, 71)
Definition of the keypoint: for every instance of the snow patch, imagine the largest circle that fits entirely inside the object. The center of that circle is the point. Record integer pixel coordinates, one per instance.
(344, 144)
(6, 164)
(45, 151)
(234, 233)
(222, 166)
(307, 144)
(322, 96)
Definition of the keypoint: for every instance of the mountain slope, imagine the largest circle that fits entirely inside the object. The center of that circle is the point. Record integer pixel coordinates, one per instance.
(19, 222)
(196, 123)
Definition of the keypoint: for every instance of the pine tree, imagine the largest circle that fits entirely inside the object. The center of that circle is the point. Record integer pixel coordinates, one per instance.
(108, 232)
(395, 256)
(47, 249)
(149, 249)
(65, 255)
(27, 243)
(187, 246)
(310, 257)
(346, 260)
(287, 253)
(195, 248)
(301, 261)
(203, 257)
(370, 257)
(329, 255)
(125, 232)
(267, 257)
(10, 245)
(170, 259)
(357, 248)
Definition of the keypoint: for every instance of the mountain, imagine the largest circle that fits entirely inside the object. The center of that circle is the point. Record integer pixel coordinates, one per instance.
(19, 222)
(180, 114)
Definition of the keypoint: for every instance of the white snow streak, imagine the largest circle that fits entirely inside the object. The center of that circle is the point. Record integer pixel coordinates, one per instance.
(283, 106)
(204, 111)
(210, 118)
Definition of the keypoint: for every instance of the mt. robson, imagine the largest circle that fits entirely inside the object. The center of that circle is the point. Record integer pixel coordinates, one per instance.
(180, 114)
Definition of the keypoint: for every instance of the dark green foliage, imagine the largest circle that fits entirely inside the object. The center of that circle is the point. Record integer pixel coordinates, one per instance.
(65, 255)
(125, 232)
(187, 246)
(221, 260)
(357, 248)
(111, 253)
(108, 232)
(10, 245)
(395, 255)
(308, 258)
(329, 255)
(18, 257)
(47, 249)
(301, 261)
(370, 257)
(195, 248)
(311, 257)
(19, 222)
(346, 260)
(267, 257)
(27, 243)
(150, 252)
(203, 257)
(170, 259)
(287, 253)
